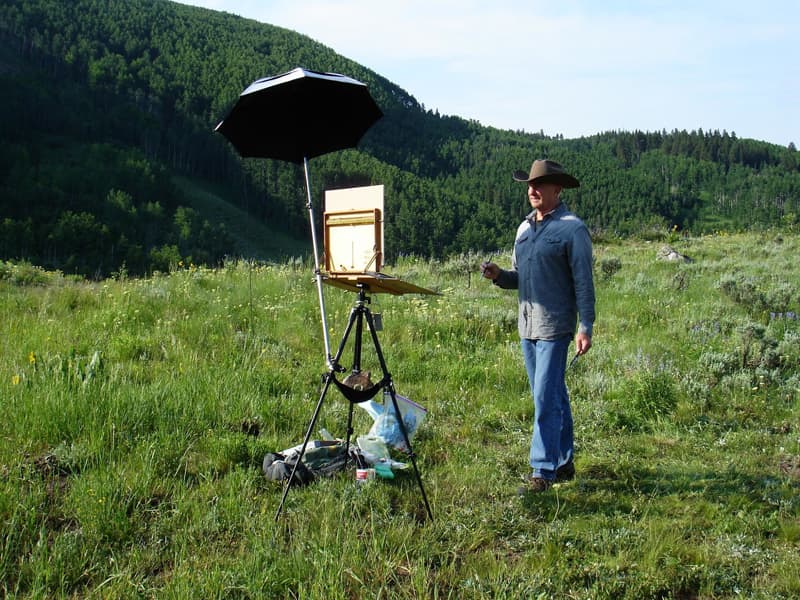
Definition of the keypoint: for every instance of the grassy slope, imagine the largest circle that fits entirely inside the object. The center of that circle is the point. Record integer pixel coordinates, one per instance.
(252, 239)
(137, 472)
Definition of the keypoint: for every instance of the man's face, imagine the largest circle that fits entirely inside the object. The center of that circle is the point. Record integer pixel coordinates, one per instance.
(543, 196)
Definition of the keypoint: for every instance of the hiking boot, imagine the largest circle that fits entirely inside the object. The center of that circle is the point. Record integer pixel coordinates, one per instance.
(535, 485)
(566, 472)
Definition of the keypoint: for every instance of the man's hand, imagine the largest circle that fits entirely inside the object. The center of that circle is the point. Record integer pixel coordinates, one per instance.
(490, 270)
(582, 343)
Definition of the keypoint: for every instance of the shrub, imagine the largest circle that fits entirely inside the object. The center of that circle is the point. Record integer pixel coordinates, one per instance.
(652, 394)
(24, 274)
(757, 348)
(742, 290)
(645, 398)
(779, 298)
(609, 266)
(718, 364)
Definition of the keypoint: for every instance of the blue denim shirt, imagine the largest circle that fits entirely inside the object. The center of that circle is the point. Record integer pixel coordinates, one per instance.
(551, 267)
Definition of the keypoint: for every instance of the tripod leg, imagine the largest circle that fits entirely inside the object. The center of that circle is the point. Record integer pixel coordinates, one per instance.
(357, 316)
(288, 483)
(349, 432)
(333, 366)
(351, 321)
(399, 416)
(411, 455)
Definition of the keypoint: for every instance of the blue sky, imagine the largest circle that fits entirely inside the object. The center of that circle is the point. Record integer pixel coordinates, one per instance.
(572, 67)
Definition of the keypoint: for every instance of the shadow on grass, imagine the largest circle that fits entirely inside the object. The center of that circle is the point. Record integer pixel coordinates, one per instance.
(614, 489)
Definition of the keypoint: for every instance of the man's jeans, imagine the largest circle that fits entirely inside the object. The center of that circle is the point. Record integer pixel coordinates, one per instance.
(551, 443)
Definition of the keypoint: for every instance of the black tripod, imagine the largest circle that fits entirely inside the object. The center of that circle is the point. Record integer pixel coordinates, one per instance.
(357, 315)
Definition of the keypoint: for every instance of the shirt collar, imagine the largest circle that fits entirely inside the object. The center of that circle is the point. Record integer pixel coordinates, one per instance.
(558, 208)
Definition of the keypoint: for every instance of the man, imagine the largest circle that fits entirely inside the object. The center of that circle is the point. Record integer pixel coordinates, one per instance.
(551, 268)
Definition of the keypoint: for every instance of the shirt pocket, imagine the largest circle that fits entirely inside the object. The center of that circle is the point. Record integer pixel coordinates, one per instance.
(552, 246)
(522, 248)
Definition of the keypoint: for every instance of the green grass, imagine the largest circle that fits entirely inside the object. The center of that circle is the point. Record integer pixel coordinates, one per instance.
(136, 414)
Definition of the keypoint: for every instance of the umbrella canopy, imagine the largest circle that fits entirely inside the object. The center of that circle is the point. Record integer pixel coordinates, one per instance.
(299, 115)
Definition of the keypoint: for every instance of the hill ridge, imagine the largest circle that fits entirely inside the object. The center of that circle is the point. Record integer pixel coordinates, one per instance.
(113, 98)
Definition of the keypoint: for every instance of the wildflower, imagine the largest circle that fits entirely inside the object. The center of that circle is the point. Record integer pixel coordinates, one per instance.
(32, 358)
(15, 380)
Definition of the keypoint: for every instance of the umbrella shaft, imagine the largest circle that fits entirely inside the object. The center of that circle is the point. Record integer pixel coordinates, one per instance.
(317, 272)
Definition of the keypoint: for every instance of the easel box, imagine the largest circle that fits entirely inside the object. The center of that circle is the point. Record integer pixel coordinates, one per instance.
(353, 232)
(353, 241)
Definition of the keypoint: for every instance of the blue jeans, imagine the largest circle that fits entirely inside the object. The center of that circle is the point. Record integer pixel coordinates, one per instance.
(552, 439)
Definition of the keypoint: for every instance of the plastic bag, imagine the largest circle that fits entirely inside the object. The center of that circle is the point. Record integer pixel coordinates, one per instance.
(376, 453)
(386, 425)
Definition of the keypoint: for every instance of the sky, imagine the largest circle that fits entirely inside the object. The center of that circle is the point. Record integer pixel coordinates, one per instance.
(575, 67)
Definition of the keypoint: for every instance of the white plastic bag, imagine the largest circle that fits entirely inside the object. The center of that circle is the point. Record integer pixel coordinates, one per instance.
(386, 425)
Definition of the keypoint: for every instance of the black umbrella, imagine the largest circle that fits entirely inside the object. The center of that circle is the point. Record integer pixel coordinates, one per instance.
(299, 115)
(296, 116)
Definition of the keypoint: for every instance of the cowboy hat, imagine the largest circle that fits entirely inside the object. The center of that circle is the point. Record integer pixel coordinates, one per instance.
(547, 171)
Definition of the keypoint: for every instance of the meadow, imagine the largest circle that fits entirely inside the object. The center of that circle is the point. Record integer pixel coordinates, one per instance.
(136, 414)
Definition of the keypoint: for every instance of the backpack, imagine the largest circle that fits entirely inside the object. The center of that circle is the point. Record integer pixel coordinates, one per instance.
(318, 461)
(277, 467)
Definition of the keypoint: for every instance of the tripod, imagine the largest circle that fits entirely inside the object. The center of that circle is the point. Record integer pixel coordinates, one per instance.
(358, 314)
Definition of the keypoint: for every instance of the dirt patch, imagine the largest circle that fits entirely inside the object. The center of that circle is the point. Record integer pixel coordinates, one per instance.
(789, 466)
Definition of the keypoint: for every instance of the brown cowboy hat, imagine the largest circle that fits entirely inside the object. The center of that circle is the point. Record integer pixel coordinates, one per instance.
(547, 171)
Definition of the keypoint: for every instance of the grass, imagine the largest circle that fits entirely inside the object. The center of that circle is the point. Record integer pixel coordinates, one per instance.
(137, 413)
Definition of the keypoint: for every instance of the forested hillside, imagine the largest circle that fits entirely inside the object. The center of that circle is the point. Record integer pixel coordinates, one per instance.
(105, 101)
